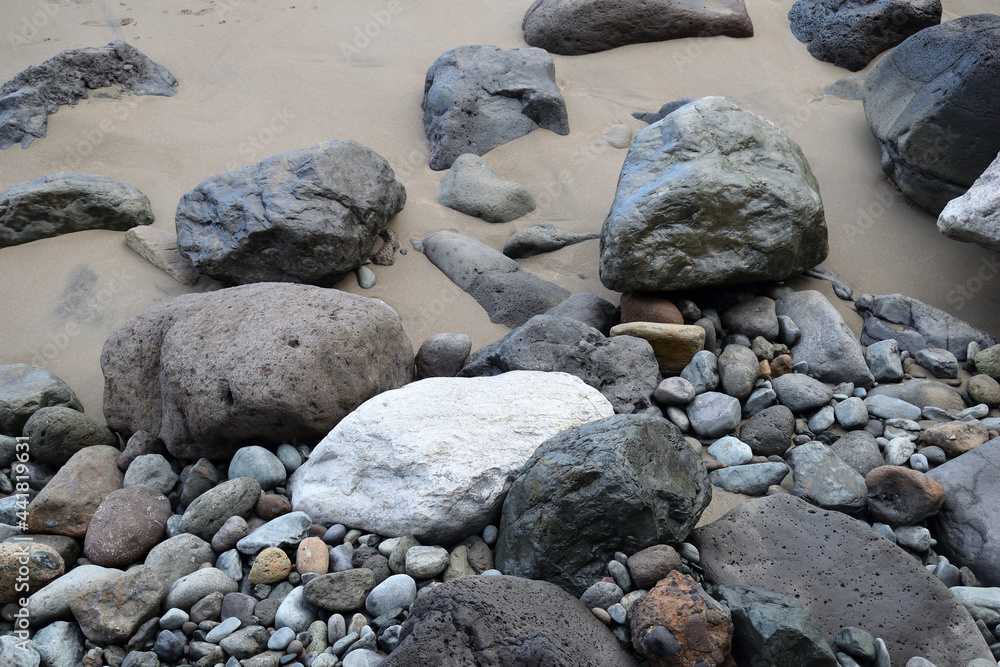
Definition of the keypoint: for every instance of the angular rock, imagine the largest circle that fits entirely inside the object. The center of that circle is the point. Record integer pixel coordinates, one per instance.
(827, 344)
(60, 644)
(127, 524)
(673, 344)
(563, 514)
(852, 413)
(56, 433)
(210, 511)
(623, 368)
(112, 613)
(471, 186)
(750, 480)
(955, 438)
(859, 450)
(190, 372)
(538, 239)
(307, 216)
(940, 362)
(687, 210)
(508, 620)
(852, 33)
(702, 372)
(68, 502)
(479, 97)
(25, 389)
(159, 248)
(883, 359)
(576, 27)
(53, 601)
(787, 546)
(973, 216)
(285, 531)
(902, 496)
(435, 458)
(930, 104)
(770, 431)
(801, 393)
(915, 326)
(822, 478)
(340, 591)
(752, 318)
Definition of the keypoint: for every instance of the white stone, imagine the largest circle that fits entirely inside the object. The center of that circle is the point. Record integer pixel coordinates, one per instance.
(159, 248)
(731, 451)
(975, 216)
(434, 458)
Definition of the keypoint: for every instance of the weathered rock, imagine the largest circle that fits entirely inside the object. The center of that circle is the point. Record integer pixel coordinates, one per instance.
(68, 502)
(590, 309)
(852, 33)
(713, 414)
(674, 391)
(827, 344)
(26, 567)
(739, 371)
(25, 389)
(29, 98)
(179, 556)
(955, 438)
(271, 566)
(442, 355)
(973, 217)
(508, 620)
(801, 393)
(192, 373)
(788, 546)
(56, 433)
(884, 361)
(623, 368)
(822, 478)
(60, 645)
(435, 458)
(930, 104)
(749, 480)
(287, 530)
(210, 511)
(674, 345)
(340, 591)
(922, 393)
(479, 97)
(127, 524)
(770, 431)
(576, 27)
(471, 186)
(965, 527)
(984, 389)
(686, 213)
(902, 496)
(563, 514)
(538, 239)
(915, 326)
(150, 470)
(52, 602)
(509, 294)
(191, 588)
(859, 450)
(988, 361)
(652, 564)
(752, 318)
(159, 248)
(112, 613)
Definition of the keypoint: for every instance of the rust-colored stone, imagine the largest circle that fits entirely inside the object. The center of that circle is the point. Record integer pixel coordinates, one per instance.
(902, 496)
(956, 438)
(649, 307)
(271, 566)
(781, 365)
(313, 555)
(68, 502)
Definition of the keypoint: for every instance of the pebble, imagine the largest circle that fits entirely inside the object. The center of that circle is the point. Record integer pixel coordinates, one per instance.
(173, 619)
(886, 407)
(674, 391)
(490, 534)
(713, 414)
(285, 531)
(237, 605)
(947, 573)
(151, 470)
(914, 538)
(898, 451)
(191, 588)
(397, 559)
(271, 506)
(399, 590)
(851, 413)
(702, 372)
(602, 594)
(602, 615)
(823, 419)
(678, 418)
(426, 562)
(919, 462)
(788, 333)
(856, 642)
(335, 534)
(295, 611)
(760, 399)
(271, 566)
(363, 657)
(884, 361)
(290, 458)
(975, 412)
(341, 557)
(168, 646)
(223, 630)
(617, 613)
(731, 451)
(312, 556)
(230, 563)
(336, 628)
(620, 574)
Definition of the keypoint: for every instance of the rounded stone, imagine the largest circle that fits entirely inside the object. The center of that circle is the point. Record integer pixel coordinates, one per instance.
(902, 496)
(209, 511)
(289, 457)
(426, 562)
(442, 355)
(731, 451)
(652, 564)
(56, 433)
(151, 470)
(232, 531)
(649, 307)
(271, 506)
(312, 555)
(714, 414)
(189, 589)
(271, 566)
(43, 565)
(399, 590)
(340, 591)
(674, 391)
(259, 464)
(127, 524)
(984, 389)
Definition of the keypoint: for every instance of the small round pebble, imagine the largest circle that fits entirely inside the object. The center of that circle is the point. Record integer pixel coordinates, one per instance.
(490, 534)
(289, 457)
(602, 616)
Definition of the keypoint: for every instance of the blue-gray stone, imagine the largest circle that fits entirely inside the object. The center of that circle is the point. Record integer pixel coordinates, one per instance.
(281, 638)
(788, 333)
(702, 372)
(856, 642)
(620, 574)
(852, 413)
(822, 478)
(914, 538)
(886, 407)
(363, 658)
(760, 399)
(289, 457)
(885, 531)
(731, 451)
(151, 470)
(801, 393)
(602, 594)
(335, 534)
(881, 654)
(940, 362)
(617, 613)
(173, 619)
(399, 590)
(344, 643)
(884, 361)
(490, 534)
(340, 557)
(949, 574)
(223, 630)
(898, 451)
(713, 414)
(260, 464)
(285, 531)
(295, 612)
(59, 645)
(919, 462)
(230, 563)
(751, 480)
(169, 647)
(975, 412)
(822, 420)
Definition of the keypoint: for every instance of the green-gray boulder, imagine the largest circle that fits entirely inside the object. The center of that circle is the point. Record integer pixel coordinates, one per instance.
(622, 483)
(712, 195)
(988, 362)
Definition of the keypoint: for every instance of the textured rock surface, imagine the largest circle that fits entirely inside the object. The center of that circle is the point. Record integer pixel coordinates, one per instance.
(56, 433)
(590, 309)
(307, 216)
(916, 326)
(127, 524)
(472, 187)
(68, 502)
(194, 374)
(26, 567)
(850, 34)
(788, 546)
(159, 248)
(52, 602)
(623, 368)
(68, 202)
(674, 345)
(975, 216)
(824, 480)
(966, 528)
(479, 97)
(563, 516)
(506, 621)
(27, 100)
(955, 438)
(688, 209)
(576, 27)
(509, 294)
(922, 393)
(112, 613)
(902, 496)
(932, 104)
(537, 239)
(24, 389)
(435, 458)
(209, 512)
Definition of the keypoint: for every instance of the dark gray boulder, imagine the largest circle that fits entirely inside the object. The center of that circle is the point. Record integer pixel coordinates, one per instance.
(56, 433)
(823, 479)
(966, 527)
(24, 389)
(192, 373)
(590, 309)
(859, 450)
(743, 204)
(503, 620)
(770, 431)
(618, 484)
(774, 628)
(576, 27)
(915, 325)
(442, 355)
(785, 545)
(622, 368)
(479, 97)
(472, 187)
(826, 343)
(27, 100)
(537, 239)
(69, 202)
(509, 294)
(933, 105)
(306, 216)
(850, 34)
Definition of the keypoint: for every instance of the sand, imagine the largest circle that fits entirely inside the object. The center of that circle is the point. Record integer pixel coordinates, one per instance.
(259, 77)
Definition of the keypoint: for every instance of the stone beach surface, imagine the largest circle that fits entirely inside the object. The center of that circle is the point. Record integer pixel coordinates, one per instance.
(310, 415)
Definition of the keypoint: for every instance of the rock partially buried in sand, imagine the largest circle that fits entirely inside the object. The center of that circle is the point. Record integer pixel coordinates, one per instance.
(712, 195)
(479, 97)
(159, 248)
(434, 459)
(306, 216)
(975, 216)
(27, 100)
(194, 374)
(472, 187)
(931, 103)
(537, 239)
(576, 27)
(68, 202)
(850, 34)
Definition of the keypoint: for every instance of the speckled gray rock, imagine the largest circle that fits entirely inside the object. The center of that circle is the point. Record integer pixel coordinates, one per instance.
(52, 602)
(714, 414)
(702, 372)
(801, 393)
(852, 413)
(56, 433)
(442, 355)
(922, 393)
(590, 309)
(285, 531)
(788, 546)
(59, 644)
(259, 463)
(112, 613)
(151, 470)
(340, 591)
(703, 234)
(471, 186)
(178, 556)
(246, 643)
(24, 389)
(940, 362)
(17, 652)
(191, 373)
(633, 469)
(127, 524)
(887, 407)
(738, 371)
(822, 478)
(209, 511)
(770, 431)
(426, 562)
(883, 360)
(859, 450)
(752, 318)
(479, 97)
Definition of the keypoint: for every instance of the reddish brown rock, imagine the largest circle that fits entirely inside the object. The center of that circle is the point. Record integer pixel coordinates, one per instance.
(679, 613)
(649, 307)
(902, 496)
(271, 506)
(139, 444)
(651, 564)
(68, 502)
(781, 365)
(128, 523)
(271, 566)
(313, 555)
(955, 438)
(42, 563)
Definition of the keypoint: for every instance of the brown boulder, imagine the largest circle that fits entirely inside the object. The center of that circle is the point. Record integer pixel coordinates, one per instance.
(112, 613)
(43, 564)
(648, 307)
(652, 564)
(902, 496)
(68, 502)
(127, 524)
(957, 437)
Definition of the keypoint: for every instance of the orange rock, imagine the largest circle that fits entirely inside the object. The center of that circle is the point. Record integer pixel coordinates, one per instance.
(765, 369)
(649, 307)
(781, 365)
(902, 496)
(956, 438)
(271, 566)
(678, 625)
(313, 556)
(673, 344)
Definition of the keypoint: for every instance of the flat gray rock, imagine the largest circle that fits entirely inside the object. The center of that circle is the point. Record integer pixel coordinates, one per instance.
(471, 186)
(538, 239)
(822, 478)
(159, 248)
